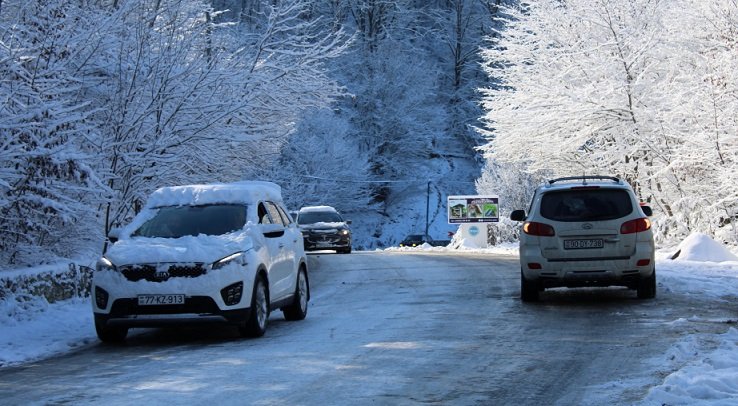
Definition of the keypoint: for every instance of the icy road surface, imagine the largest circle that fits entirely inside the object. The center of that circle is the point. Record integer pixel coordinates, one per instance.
(393, 328)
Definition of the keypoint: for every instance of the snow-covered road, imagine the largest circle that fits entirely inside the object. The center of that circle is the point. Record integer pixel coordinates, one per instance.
(400, 328)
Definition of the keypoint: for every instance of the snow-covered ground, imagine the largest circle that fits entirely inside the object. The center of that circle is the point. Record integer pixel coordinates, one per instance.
(705, 367)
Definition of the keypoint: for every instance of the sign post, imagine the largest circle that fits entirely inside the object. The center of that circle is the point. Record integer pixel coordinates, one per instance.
(472, 213)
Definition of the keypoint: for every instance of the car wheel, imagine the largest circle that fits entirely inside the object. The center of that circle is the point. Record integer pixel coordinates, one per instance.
(528, 289)
(257, 324)
(110, 334)
(647, 287)
(298, 309)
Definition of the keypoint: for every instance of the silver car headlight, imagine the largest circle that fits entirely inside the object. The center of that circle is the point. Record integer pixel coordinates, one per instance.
(104, 264)
(343, 232)
(238, 258)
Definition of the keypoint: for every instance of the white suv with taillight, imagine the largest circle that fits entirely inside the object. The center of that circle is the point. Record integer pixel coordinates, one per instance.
(586, 231)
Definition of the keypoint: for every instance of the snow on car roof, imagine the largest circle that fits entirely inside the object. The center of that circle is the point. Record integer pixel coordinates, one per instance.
(236, 192)
(317, 208)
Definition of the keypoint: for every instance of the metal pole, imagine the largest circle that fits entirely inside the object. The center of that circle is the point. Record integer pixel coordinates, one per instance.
(427, 209)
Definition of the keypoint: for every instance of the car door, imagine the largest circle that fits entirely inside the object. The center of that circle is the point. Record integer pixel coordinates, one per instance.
(282, 274)
(293, 238)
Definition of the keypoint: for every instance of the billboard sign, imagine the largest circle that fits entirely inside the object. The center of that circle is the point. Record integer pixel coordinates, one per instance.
(473, 209)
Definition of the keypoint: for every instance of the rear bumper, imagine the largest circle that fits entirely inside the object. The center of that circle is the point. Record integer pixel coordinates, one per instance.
(578, 279)
(582, 272)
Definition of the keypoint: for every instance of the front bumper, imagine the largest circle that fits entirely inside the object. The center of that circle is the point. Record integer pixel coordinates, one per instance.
(220, 296)
(314, 242)
(195, 310)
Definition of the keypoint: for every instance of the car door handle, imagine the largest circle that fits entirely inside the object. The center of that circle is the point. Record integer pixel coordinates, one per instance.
(281, 245)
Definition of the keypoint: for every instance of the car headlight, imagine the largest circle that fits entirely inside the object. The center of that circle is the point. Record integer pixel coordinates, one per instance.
(237, 258)
(343, 232)
(104, 264)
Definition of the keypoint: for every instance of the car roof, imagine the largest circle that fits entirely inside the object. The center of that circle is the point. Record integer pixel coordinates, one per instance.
(317, 208)
(584, 181)
(237, 192)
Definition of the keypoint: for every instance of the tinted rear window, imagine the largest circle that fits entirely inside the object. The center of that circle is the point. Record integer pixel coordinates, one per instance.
(586, 205)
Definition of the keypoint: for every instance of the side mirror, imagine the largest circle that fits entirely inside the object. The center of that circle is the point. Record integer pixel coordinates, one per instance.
(348, 221)
(517, 215)
(647, 210)
(272, 230)
(114, 235)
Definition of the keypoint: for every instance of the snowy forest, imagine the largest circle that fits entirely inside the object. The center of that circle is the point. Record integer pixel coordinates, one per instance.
(643, 89)
(358, 104)
(376, 107)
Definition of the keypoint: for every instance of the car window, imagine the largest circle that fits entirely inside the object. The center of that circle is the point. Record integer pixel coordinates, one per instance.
(263, 214)
(179, 221)
(286, 218)
(312, 217)
(586, 205)
(274, 213)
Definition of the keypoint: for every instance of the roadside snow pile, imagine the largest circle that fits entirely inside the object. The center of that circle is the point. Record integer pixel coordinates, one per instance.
(707, 379)
(700, 247)
(35, 329)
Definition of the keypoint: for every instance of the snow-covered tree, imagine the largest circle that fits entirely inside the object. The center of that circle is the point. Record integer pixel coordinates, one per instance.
(186, 100)
(46, 176)
(622, 88)
(124, 97)
(322, 164)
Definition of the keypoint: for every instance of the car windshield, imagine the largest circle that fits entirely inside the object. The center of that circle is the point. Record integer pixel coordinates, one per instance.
(586, 205)
(179, 221)
(312, 217)
(414, 237)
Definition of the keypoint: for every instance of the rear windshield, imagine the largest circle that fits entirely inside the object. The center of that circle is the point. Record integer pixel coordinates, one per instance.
(179, 221)
(586, 205)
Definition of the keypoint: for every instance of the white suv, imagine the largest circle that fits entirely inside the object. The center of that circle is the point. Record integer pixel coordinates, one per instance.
(221, 253)
(586, 231)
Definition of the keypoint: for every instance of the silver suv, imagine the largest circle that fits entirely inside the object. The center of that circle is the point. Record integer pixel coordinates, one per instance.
(586, 231)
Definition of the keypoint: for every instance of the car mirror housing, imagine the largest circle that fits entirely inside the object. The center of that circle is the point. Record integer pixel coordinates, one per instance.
(272, 230)
(114, 234)
(517, 215)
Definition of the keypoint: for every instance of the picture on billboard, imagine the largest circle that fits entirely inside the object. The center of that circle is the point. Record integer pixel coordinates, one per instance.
(473, 209)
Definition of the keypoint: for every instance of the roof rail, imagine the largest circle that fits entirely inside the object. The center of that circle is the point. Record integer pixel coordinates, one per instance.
(585, 178)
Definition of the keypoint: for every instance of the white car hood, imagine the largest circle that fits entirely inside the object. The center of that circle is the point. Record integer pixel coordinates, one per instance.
(188, 249)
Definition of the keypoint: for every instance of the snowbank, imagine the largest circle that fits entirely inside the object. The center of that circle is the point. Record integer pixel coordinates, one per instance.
(700, 247)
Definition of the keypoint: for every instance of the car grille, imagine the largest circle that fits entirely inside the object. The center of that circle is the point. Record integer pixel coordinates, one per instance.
(154, 273)
(195, 304)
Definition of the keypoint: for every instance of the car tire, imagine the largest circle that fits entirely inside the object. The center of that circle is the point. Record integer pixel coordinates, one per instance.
(110, 334)
(257, 323)
(647, 287)
(528, 289)
(299, 307)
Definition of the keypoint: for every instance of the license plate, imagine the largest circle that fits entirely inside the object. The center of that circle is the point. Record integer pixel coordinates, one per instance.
(160, 300)
(583, 244)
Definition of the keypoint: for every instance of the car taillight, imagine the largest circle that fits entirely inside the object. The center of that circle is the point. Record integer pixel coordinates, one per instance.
(539, 229)
(635, 226)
